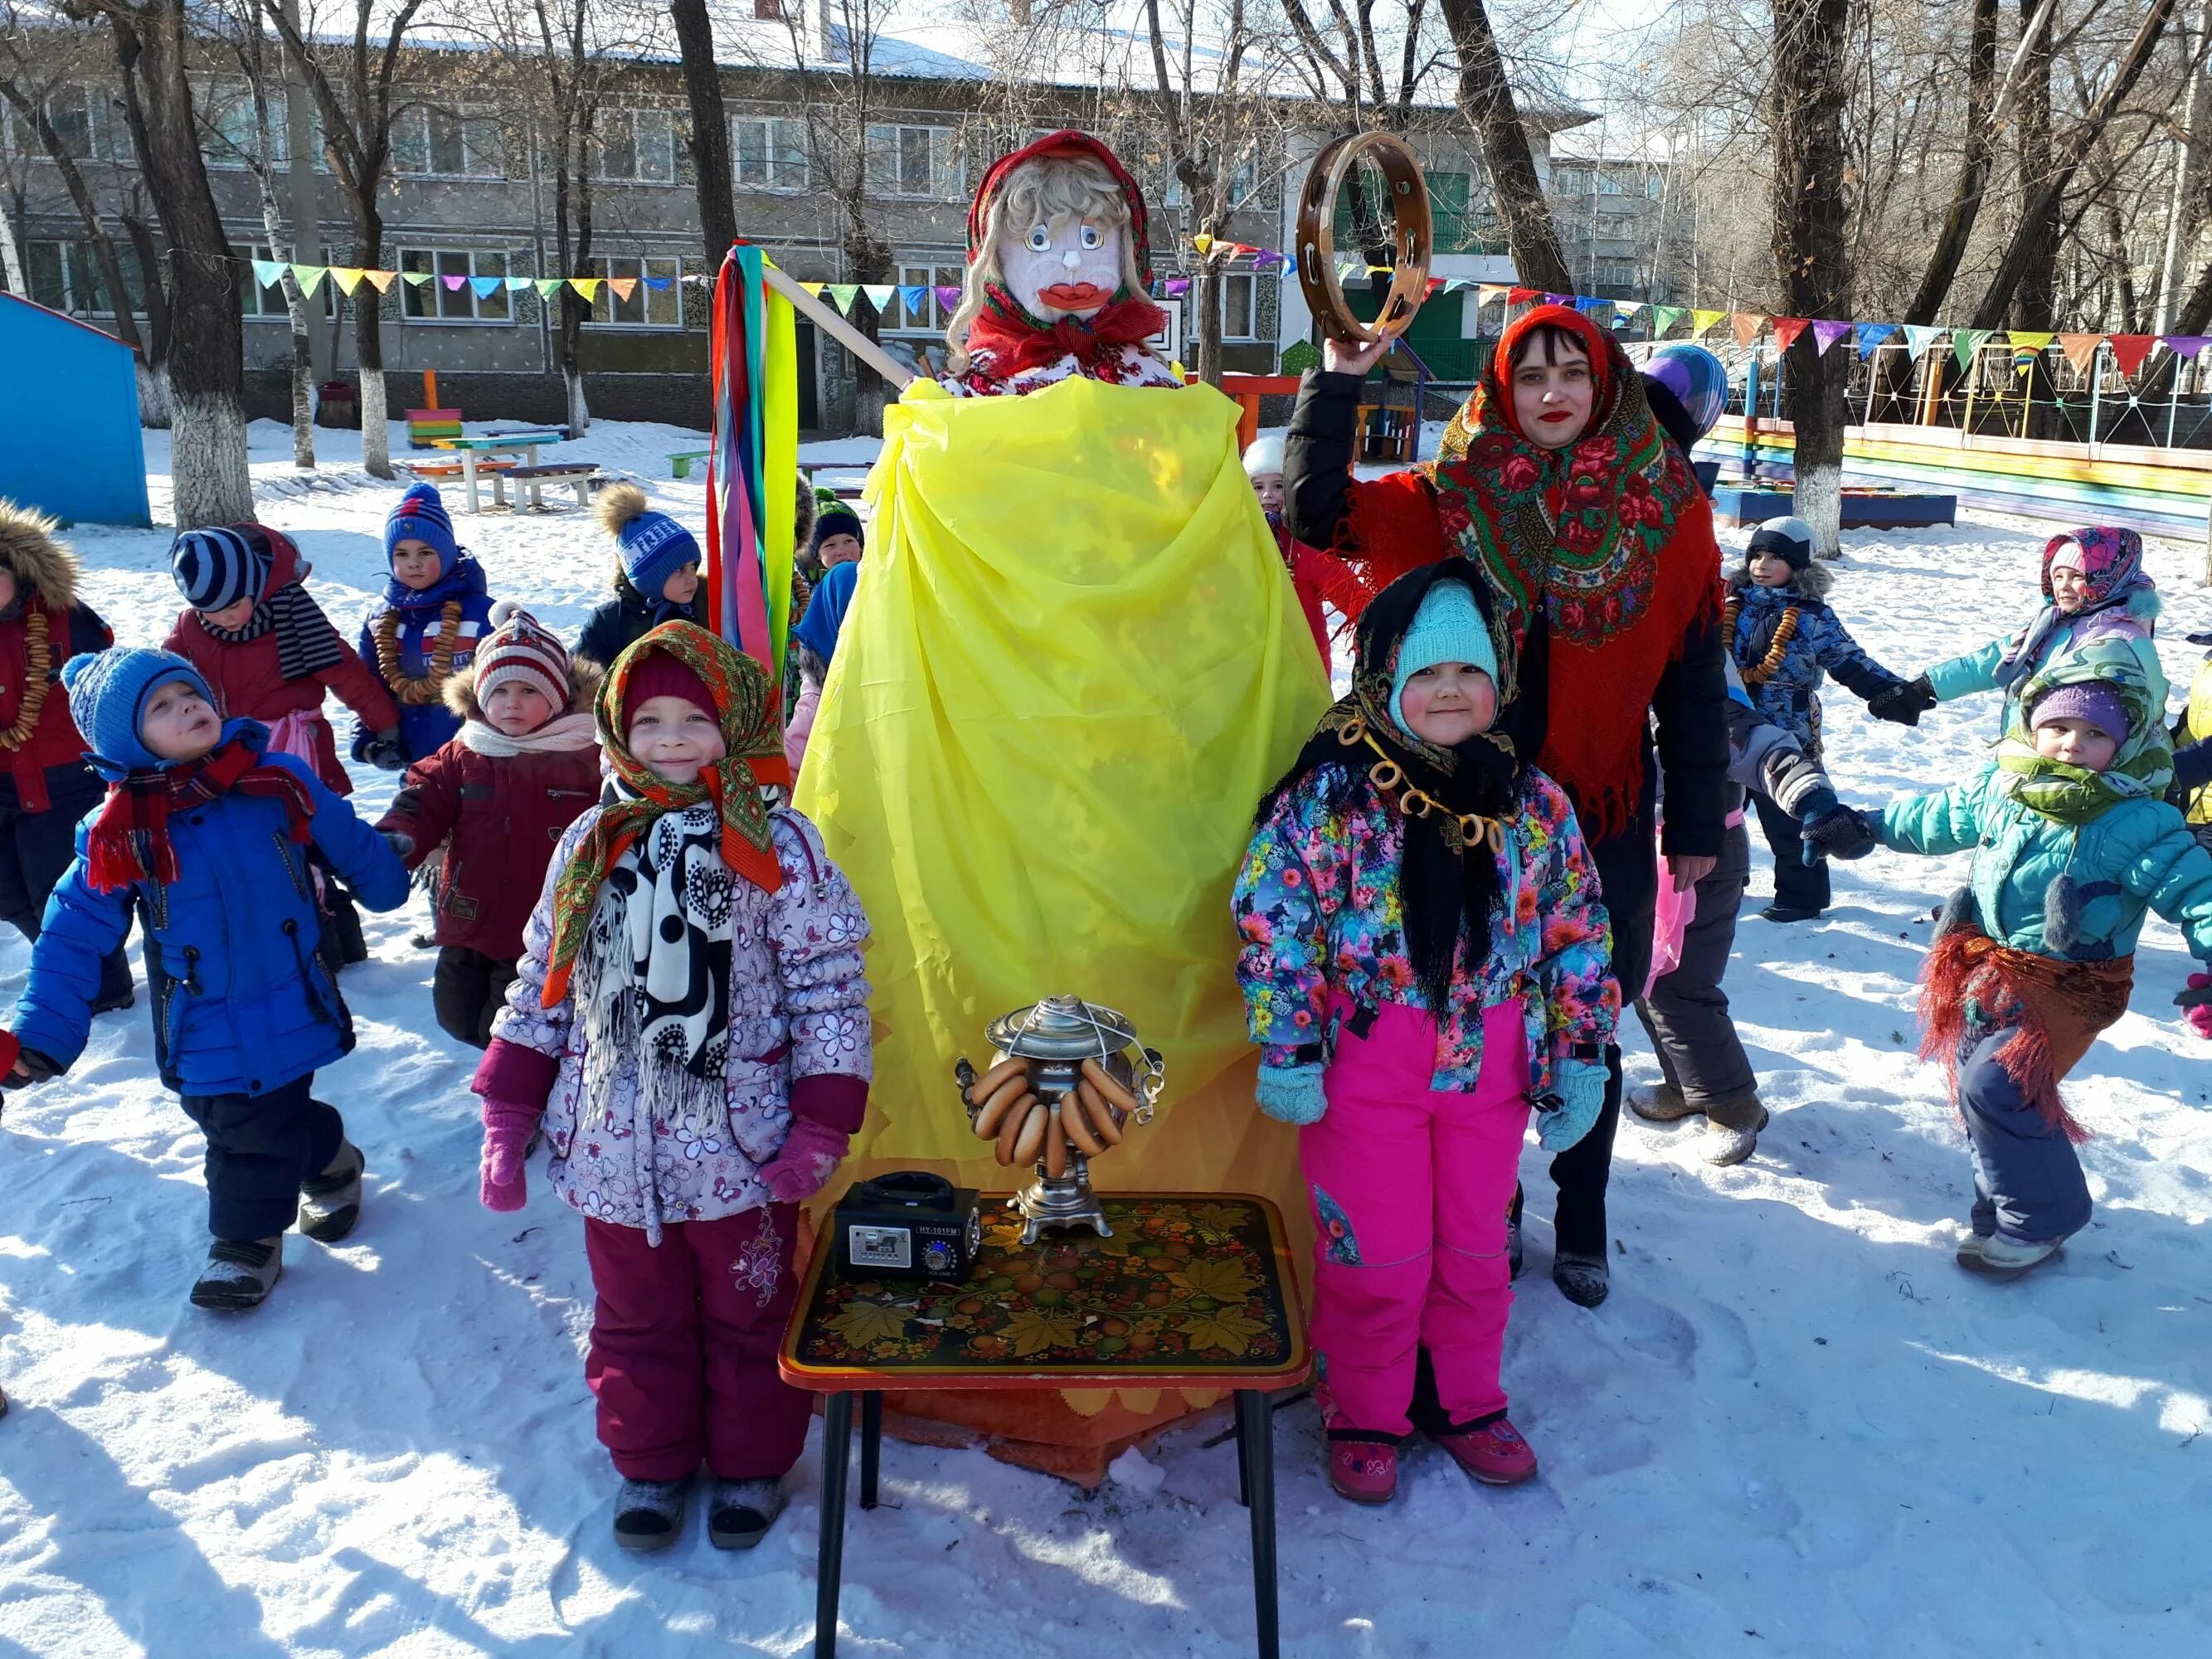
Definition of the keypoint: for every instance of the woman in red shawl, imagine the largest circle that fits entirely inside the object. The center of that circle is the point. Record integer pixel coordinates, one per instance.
(1557, 480)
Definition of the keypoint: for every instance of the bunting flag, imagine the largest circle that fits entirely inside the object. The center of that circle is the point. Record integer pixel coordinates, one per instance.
(2129, 351)
(880, 296)
(1748, 325)
(417, 279)
(624, 287)
(1702, 322)
(381, 281)
(2186, 346)
(1486, 292)
(547, 287)
(2028, 339)
(1521, 296)
(348, 277)
(949, 297)
(587, 288)
(752, 464)
(1558, 299)
(1787, 329)
(2080, 349)
(515, 284)
(1203, 243)
(814, 288)
(1664, 318)
(662, 284)
(915, 299)
(1966, 343)
(1177, 286)
(452, 283)
(485, 287)
(842, 294)
(269, 272)
(1871, 335)
(1825, 333)
(1919, 336)
(1628, 307)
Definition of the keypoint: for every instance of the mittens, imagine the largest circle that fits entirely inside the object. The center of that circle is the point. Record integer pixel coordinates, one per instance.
(1842, 832)
(1580, 1086)
(810, 1156)
(504, 1186)
(1905, 704)
(383, 752)
(2196, 1004)
(1292, 1094)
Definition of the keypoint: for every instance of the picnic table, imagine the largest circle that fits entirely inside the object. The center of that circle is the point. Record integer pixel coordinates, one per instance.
(1194, 1291)
(473, 450)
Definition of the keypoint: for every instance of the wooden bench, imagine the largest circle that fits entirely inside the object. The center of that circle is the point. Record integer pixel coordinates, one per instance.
(679, 462)
(449, 469)
(581, 474)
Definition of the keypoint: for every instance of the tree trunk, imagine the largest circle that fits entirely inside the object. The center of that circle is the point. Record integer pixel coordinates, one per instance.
(1974, 169)
(1812, 249)
(11, 253)
(572, 313)
(1486, 97)
(368, 347)
(2021, 254)
(295, 302)
(710, 130)
(2032, 298)
(155, 408)
(1207, 289)
(206, 365)
(868, 261)
(2185, 215)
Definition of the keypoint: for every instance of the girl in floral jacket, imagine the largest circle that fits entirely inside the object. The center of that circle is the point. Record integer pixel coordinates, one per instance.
(689, 1023)
(1425, 956)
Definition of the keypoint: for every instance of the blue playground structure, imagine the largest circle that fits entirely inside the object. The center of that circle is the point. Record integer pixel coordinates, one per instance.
(69, 441)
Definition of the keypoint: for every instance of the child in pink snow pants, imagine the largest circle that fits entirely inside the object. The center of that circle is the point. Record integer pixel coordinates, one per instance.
(1426, 960)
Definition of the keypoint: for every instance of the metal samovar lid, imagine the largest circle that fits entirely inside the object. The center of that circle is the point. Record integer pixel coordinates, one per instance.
(1062, 1028)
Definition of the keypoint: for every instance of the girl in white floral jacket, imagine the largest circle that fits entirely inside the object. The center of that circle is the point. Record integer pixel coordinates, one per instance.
(689, 1026)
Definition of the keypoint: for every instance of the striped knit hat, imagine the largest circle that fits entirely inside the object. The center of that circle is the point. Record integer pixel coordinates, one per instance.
(217, 567)
(520, 648)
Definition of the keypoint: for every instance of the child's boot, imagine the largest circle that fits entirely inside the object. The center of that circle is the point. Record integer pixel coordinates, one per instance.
(2001, 1258)
(330, 1203)
(649, 1514)
(740, 1512)
(240, 1273)
(1362, 1470)
(1491, 1450)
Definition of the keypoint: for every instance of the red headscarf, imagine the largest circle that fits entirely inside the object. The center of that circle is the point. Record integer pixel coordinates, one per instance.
(1006, 330)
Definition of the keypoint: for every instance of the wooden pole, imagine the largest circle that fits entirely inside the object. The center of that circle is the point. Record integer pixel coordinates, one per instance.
(429, 388)
(895, 373)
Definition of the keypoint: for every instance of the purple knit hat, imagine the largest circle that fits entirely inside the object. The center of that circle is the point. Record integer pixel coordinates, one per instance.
(2088, 701)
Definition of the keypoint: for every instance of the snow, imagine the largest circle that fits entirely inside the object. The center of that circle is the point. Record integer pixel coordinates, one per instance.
(1795, 1428)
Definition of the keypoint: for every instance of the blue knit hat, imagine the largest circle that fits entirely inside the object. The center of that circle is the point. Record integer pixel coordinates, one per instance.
(1448, 627)
(107, 694)
(217, 567)
(421, 516)
(654, 547)
(1790, 540)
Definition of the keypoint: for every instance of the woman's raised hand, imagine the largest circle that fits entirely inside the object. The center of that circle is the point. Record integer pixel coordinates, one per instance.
(1346, 357)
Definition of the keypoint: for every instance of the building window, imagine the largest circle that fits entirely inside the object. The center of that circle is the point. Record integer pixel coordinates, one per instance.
(767, 11)
(930, 314)
(1616, 273)
(442, 141)
(1240, 311)
(636, 146)
(1241, 188)
(465, 286)
(1572, 181)
(256, 300)
(65, 277)
(233, 136)
(84, 118)
(647, 307)
(768, 155)
(922, 161)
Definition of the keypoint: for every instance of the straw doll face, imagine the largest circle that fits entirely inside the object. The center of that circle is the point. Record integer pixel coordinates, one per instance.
(1060, 238)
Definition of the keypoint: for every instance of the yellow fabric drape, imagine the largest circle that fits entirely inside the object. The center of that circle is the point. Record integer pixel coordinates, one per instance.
(1073, 663)
(779, 465)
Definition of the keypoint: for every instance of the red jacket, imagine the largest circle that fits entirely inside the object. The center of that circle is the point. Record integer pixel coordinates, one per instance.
(499, 820)
(49, 757)
(247, 683)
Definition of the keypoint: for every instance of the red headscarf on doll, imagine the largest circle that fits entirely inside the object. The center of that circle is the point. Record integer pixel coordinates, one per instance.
(1015, 340)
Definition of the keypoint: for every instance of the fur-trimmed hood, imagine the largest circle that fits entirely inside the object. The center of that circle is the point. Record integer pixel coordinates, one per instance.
(1814, 582)
(29, 553)
(584, 679)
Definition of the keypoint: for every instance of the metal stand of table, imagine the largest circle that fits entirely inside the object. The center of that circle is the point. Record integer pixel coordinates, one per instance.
(1255, 1490)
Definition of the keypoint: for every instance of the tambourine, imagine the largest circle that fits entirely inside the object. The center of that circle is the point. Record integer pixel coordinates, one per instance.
(1409, 205)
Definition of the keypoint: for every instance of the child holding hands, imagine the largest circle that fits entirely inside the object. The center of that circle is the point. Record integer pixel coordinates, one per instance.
(690, 1023)
(424, 628)
(1425, 956)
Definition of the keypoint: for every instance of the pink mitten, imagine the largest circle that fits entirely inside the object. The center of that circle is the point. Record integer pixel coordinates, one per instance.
(810, 1155)
(506, 1139)
(2199, 1015)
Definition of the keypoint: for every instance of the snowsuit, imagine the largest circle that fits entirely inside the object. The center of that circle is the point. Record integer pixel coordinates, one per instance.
(413, 621)
(244, 1010)
(1412, 1169)
(2135, 855)
(45, 784)
(1789, 695)
(692, 1260)
(617, 623)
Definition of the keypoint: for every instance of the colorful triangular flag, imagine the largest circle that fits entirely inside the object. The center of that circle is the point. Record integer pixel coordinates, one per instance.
(1966, 345)
(1521, 296)
(880, 296)
(814, 288)
(417, 279)
(587, 287)
(2029, 339)
(348, 277)
(662, 284)
(515, 284)
(453, 282)
(2080, 349)
(915, 296)
(2185, 346)
(268, 272)
(1558, 299)
(1628, 307)
(623, 286)
(1747, 325)
(1825, 332)
(1664, 318)
(308, 276)
(1486, 292)
(1787, 329)
(949, 297)
(2129, 351)
(381, 281)
(1868, 335)
(485, 287)
(547, 287)
(842, 294)
(1919, 336)
(1702, 322)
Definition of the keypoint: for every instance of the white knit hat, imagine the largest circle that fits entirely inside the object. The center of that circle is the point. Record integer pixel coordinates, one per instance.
(520, 648)
(1264, 453)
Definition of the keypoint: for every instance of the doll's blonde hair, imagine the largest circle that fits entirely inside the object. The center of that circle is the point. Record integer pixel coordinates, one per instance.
(1037, 192)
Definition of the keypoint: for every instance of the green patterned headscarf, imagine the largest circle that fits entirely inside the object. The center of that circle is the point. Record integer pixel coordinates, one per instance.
(2141, 769)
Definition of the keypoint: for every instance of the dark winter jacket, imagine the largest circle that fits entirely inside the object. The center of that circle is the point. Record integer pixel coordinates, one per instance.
(498, 817)
(242, 1004)
(424, 726)
(249, 685)
(48, 765)
(1820, 645)
(622, 621)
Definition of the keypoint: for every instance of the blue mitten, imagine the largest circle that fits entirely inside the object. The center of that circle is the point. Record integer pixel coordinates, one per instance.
(1580, 1086)
(1292, 1094)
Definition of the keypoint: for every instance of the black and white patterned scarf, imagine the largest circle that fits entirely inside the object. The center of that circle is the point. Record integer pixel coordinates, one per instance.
(306, 641)
(657, 955)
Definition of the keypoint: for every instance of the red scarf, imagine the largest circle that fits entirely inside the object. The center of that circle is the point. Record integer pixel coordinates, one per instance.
(131, 841)
(1610, 535)
(1012, 341)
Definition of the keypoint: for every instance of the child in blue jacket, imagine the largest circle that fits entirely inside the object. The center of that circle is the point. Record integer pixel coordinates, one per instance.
(1786, 641)
(423, 629)
(2037, 955)
(206, 834)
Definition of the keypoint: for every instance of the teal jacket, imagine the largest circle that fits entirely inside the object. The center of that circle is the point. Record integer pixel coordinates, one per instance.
(2136, 854)
(1977, 670)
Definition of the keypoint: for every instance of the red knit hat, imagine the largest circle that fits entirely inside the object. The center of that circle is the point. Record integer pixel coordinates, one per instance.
(662, 675)
(520, 648)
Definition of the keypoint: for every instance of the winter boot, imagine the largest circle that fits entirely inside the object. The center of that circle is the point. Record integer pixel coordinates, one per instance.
(1732, 1128)
(1585, 1280)
(2005, 1259)
(649, 1514)
(1778, 912)
(1493, 1451)
(330, 1203)
(240, 1273)
(740, 1512)
(1661, 1103)
(1363, 1471)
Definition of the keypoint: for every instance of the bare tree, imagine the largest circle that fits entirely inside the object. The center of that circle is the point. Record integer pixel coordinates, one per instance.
(1487, 95)
(709, 137)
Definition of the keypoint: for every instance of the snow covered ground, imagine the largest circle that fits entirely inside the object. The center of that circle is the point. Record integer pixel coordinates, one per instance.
(1797, 1428)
